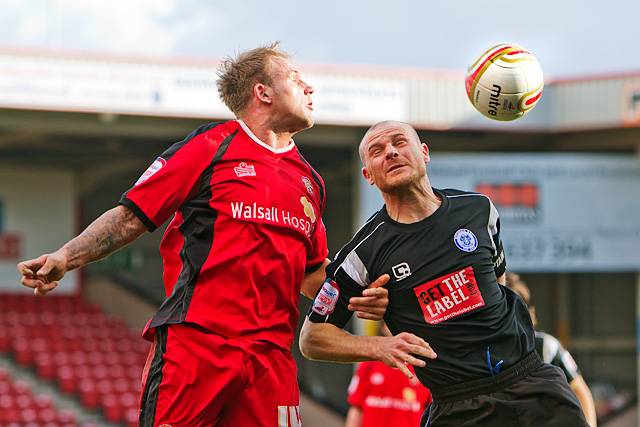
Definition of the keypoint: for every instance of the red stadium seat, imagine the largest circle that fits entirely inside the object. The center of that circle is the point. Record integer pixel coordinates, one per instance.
(24, 401)
(113, 410)
(9, 415)
(67, 379)
(28, 415)
(88, 394)
(21, 387)
(43, 401)
(131, 417)
(66, 416)
(45, 366)
(22, 351)
(105, 387)
(5, 340)
(47, 415)
(121, 385)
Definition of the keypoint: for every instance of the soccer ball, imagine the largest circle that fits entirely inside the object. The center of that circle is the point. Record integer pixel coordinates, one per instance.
(505, 82)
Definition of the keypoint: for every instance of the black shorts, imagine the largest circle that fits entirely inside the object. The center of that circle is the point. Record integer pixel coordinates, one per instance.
(529, 393)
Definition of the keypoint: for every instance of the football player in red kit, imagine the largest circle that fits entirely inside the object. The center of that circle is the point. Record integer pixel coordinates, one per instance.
(245, 238)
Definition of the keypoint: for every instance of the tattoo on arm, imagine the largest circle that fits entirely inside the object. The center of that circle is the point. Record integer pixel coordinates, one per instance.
(111, 231)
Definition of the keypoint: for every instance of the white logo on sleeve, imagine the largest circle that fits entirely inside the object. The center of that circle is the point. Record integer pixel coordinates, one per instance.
(307, 183)
(151, 170)
(376, 378)
(401, 270)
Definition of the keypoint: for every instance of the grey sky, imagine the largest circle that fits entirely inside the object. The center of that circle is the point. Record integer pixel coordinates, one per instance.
(569, 37)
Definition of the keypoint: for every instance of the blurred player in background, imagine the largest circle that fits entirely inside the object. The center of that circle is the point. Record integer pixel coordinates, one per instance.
(382, 396)
(444, 252)
(246, 237)
(552, 352)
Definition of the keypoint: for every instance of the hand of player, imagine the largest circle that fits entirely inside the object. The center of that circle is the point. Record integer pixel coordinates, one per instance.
(397, 351)
(43, 273)
(374, 300)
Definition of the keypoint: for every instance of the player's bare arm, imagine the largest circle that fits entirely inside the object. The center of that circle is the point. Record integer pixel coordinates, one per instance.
(371, 305)
(581, 389)
(327, 342)
(354, 417)
(111, 231)
(313, 280)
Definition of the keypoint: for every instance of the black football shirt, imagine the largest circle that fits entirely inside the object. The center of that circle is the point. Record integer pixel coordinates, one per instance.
(443, 287)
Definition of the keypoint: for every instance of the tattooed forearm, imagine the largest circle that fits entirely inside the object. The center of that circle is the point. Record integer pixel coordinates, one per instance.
(111, 231)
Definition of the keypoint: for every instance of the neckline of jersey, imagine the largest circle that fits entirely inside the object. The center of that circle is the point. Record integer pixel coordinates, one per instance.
(261, 143)
(423, 223)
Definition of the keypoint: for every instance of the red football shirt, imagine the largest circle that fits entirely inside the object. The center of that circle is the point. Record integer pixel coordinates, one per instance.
(386, 397)
(247, 223)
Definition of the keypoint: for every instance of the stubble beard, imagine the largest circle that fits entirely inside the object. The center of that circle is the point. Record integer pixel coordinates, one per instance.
(293, 123)
(400, 185)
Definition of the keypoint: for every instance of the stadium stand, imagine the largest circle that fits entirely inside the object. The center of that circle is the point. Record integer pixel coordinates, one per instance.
(19, 406)
(73, 344)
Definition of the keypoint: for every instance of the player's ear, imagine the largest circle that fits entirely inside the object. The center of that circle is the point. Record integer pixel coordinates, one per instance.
(262, 92)
(367, 175)
(425, 152)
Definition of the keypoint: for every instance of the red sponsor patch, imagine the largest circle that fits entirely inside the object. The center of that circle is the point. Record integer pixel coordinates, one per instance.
(449, 296)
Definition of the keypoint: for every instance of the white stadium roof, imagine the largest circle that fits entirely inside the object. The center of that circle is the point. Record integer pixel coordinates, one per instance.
(345, 95)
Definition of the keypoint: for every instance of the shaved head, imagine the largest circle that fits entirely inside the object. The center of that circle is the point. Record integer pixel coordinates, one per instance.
(380, 126)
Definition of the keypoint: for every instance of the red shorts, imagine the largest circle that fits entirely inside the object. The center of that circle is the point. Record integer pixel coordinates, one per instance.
(196, 378)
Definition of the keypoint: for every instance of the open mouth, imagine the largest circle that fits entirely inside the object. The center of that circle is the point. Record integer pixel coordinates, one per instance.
(394, 167)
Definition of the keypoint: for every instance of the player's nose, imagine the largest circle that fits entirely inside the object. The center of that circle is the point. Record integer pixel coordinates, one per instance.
(391, 152)
(308, 89)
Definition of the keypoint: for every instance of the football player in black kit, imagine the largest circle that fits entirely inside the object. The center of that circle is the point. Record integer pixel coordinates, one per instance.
(470, 339)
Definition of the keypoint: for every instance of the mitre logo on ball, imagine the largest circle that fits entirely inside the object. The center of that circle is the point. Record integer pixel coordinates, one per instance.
(505, 82)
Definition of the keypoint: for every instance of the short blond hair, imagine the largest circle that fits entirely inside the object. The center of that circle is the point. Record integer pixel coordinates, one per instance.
(237, 76)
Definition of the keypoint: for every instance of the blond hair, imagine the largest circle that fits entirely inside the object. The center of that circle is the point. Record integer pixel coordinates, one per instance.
(237, 76)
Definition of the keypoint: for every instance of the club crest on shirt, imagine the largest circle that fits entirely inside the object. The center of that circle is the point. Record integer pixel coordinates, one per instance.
(465, 240)
(151, 170)
(244, 169)
(409, 394)
(307, 183)
(308, 209)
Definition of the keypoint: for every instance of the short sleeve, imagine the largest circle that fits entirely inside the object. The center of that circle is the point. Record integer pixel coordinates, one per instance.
(359, 386)
(565, 361)
(332, 301)
(498, 256)
(171, 179)
(319, 250)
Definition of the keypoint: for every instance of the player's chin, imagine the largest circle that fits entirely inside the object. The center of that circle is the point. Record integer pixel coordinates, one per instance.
(301, 123)
(308, 121)
(394, 184)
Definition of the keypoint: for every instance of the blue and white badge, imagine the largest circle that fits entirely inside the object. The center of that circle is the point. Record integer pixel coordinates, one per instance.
(465, 240)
